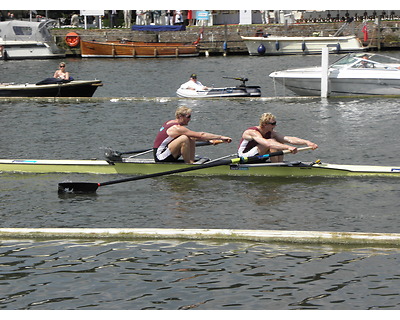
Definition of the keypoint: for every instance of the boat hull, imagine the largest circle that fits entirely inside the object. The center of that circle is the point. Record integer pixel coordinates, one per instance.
(76, 88)
(300, 45)
(22, 51)
(305, 84)
(286, 169)
(110, 49)
(229, 92)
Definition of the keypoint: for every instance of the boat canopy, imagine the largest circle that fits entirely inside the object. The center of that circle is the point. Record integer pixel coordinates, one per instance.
(17, 30)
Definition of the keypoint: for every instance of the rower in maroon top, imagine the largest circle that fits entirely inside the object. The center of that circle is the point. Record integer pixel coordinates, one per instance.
(175, 140)
(262, 139)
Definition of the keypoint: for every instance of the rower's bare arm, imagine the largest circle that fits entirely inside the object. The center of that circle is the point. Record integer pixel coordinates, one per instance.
(299, 141)
(205, 136)
(211, 136)
(273, 144)
(268, 143)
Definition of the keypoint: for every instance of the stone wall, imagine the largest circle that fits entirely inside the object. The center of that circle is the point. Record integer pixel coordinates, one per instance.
(214, 37)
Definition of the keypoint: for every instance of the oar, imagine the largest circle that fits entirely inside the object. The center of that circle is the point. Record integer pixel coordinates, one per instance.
(116, 155)
(87, 187)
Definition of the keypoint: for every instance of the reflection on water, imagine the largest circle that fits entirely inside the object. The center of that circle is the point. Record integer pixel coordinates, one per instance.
(201, 275)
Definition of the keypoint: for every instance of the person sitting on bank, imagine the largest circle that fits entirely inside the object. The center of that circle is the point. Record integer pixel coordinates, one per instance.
(262, 139)
(174, 139)
(193, 84)
(62, 74)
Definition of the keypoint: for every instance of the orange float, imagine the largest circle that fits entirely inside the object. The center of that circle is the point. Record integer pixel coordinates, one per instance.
(72, 39)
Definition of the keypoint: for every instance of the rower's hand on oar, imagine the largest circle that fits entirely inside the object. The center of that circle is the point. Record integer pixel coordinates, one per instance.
(222, 140)
(313, 145)
(226, 139)
(293, 150)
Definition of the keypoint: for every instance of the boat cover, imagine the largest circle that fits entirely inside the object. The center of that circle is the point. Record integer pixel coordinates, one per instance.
(158, 28)
(53, 81)
(17, 30)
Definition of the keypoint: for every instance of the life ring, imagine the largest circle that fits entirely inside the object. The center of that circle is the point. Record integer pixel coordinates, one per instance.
(72, 39)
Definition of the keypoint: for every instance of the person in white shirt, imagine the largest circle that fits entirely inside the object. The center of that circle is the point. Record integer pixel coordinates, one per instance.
(193, 84)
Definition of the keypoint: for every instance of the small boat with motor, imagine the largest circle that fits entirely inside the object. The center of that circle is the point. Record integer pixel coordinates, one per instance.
(28, 40)
(353, 74)
(51, 87)
(241, 90)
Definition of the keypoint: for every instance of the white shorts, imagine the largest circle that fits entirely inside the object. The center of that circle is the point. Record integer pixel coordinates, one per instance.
(250, 153)
(165, 155)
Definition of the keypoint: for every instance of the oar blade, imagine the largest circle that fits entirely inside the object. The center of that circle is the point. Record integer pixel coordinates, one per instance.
(77, 187)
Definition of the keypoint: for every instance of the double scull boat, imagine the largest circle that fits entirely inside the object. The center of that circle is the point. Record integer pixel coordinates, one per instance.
(146, 166)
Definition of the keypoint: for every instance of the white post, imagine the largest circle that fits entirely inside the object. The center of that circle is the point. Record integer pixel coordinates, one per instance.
(324, 72)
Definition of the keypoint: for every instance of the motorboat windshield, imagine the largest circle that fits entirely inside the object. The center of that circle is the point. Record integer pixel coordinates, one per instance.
(367, 60)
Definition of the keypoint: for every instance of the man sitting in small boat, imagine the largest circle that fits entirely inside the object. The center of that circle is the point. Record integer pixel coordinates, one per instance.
(262, 139)
(175, 140)
(193, 84)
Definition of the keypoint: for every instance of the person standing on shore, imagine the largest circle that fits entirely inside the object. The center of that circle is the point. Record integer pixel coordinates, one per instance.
(75, 20)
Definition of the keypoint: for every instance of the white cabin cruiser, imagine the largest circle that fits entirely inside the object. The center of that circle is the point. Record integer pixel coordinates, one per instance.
(27, 40)
(227, 92)
(353, 74)
(281, 45)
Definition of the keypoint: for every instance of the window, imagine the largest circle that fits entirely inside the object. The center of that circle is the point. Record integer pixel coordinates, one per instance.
(22, 31)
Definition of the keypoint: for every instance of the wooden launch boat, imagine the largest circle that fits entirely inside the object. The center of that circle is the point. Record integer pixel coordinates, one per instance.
(130, 49)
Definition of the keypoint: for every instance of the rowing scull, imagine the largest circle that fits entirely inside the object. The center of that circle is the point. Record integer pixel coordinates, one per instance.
(147, 166)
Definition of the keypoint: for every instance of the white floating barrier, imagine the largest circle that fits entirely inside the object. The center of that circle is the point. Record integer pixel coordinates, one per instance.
(310, 237)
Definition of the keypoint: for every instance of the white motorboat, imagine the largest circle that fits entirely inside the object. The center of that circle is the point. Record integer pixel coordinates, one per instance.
(353, 74)
(227, 92)
(281, 45)
(27, 40)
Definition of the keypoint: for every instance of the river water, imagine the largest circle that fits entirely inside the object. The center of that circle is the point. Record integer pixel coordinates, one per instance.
(199, 275)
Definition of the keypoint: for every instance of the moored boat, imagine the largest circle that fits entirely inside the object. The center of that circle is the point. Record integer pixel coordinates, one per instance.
(353, 74)
(27, 40)
(59, 88)
(146, 166)
(130, 49)
(281, 45)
